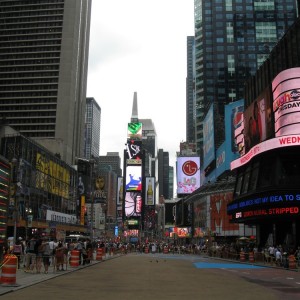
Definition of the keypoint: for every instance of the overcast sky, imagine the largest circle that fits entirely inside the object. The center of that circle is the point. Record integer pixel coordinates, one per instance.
(140, 46)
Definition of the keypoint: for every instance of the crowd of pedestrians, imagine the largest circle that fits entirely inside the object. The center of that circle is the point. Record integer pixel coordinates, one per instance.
(38, 254)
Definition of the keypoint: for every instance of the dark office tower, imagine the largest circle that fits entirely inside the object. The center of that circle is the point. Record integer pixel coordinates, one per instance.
(171, 182)
(163, 173)
(111, 162)
(232, 39)
(43, 71)
(92, 128)
(190, 98)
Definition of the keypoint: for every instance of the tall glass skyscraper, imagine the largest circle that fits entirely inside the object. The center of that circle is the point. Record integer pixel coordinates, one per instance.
(92, 128)
(43, 71)
(232, 39)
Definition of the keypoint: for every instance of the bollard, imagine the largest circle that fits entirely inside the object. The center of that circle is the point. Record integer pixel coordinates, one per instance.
(242, 256)
(9, 270)
(74, 259)
(146, 250)
(99, 254)
(251, 257)
(166, 250)
(292, 262)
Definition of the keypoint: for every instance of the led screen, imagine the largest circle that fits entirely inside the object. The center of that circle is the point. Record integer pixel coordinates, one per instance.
(133, 204)
(286, 104)
(134, 131)
(188, 174)
(134, 178)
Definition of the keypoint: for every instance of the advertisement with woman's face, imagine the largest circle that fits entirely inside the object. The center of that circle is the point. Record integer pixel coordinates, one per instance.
(257, 121)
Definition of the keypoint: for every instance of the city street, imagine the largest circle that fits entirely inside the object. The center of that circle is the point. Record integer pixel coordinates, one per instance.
(162, 276)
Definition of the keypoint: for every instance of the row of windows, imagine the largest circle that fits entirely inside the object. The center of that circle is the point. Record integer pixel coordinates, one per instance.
(32, 4)
(28, 37)
(281, 169)
(20, 88)
(31, 76)
(33, 133)
(31, 20)
(29, 26)
(31, 81)
(10, 96)
(28, 69)
(19, 64)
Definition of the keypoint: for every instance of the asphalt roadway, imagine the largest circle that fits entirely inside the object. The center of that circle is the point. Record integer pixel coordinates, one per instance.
(157, 276)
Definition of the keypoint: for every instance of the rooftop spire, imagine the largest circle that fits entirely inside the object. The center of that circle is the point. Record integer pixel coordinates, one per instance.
(134, 114)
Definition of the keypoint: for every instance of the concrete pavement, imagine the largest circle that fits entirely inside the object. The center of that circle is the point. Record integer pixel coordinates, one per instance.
(24, 279)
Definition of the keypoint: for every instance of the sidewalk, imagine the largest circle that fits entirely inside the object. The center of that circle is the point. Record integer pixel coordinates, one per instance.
(24, 279)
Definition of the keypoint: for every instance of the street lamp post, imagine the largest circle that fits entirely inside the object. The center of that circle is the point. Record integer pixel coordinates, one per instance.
(14, 162)
(28, 212)
(92, 162)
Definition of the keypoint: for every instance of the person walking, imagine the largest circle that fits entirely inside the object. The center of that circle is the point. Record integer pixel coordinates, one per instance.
(18, 250)
(31, 255)
(46, 255)
(59, 257)
(39, 255)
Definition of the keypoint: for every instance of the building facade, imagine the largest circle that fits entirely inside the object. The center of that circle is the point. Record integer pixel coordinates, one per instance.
(232, 39)
(190, 91)
(266, 190)
(43, 74)
(92, 128)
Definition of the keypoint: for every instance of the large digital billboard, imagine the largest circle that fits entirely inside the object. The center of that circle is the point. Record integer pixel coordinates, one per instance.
(134, 131)
(133, 149)
(188, 174)
(257, 121)
(208, 138)
(149, 191)
(133, 204)
(286, 102)
(134, 178)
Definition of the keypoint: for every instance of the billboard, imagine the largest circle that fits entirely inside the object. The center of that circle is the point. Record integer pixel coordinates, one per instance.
(134, 131)
(257, 121)
(133, 149)
(120, 189)
(134, 178)
(286, 102)
(149, 191)
(208, 138)
(133, 204)
(233, 121)
(188, 174)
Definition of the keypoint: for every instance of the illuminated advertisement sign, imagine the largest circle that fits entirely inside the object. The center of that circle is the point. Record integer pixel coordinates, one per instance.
(134, 149)
(180, 232)
(257, 121)
(263, 213)
(134, 178)
(134, 131)
(286, 104)
(280, 142)
(133, 204)
(188, 174)
(208, 138)
(149, 191)
(265, 206)
(120, 189)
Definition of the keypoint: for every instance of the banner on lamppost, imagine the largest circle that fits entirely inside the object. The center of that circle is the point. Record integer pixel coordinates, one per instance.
(29, 221)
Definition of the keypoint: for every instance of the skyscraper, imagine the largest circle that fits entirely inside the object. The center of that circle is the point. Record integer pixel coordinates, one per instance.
(190, 95)
(232, 39)
(43, 73)
(92, 128)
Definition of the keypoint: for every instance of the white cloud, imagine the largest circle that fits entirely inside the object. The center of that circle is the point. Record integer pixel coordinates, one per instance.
(140, 45)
